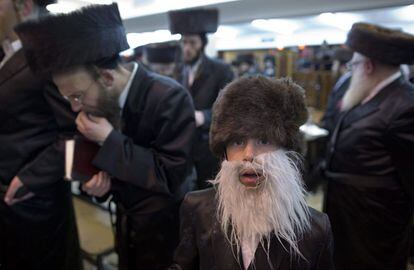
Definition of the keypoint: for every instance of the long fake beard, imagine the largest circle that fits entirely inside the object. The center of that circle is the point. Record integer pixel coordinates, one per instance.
(358, 90)
(275, 207)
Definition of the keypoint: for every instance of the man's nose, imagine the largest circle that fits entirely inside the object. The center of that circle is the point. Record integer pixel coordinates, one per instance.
(249, 151)
(76, 107)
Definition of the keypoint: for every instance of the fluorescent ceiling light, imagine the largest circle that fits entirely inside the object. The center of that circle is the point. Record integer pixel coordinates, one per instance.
(281, 26)
(62, 7)
(226, 32)
(341, 20)
(405, 13)
(139, 39)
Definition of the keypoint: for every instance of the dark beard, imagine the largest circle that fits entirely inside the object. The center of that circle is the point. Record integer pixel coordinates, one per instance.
(107, 107)
(192, 61)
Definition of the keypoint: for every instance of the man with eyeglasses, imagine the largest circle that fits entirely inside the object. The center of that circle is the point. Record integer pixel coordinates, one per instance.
(144, 123)
(203, 77)
(370, 190)
(37, 222)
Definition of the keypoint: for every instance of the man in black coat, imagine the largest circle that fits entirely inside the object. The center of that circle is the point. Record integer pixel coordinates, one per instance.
(203, 77)
(144, 123)
(255, 216)
(37, 222)
(370, 161)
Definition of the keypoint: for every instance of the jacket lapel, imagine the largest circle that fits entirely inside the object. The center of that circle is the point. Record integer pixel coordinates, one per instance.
(225, 255)
(16, 63)
(362, 111)
(201, 76)
(272, 261)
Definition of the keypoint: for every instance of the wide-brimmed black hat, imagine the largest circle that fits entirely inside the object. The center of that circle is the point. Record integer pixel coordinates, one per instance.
(162, 53)
(44, 3)
(86, 36)
(193, 21)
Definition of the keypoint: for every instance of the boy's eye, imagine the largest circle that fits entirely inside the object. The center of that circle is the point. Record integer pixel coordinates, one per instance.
(238, 142)
(263, 142)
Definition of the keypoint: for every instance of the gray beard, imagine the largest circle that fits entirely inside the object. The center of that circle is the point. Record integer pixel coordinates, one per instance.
(276, 207)
(358, 90)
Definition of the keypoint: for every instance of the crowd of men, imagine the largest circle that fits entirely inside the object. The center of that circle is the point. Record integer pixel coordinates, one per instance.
(166, 131)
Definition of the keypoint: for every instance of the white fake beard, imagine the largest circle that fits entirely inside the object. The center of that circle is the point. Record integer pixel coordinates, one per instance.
(358, 90)
(276, 206)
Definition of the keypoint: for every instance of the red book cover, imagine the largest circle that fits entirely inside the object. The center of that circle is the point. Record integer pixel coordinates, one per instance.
(79, 154)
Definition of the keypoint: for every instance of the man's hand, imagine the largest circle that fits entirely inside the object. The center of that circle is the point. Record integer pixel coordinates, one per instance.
(99, 184)
(199, 117)
(15, 184)
(94, 128)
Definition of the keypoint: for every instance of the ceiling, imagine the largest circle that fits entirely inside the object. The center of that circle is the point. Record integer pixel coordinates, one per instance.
(250, 24)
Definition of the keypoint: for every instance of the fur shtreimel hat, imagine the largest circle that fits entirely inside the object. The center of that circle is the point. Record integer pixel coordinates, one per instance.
(193, 21)
(86, 36)
(163, 53)
(44, 3)
(258, 107)
(385, 45)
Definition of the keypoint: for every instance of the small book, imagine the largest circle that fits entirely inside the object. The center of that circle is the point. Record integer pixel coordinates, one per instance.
(79, 154)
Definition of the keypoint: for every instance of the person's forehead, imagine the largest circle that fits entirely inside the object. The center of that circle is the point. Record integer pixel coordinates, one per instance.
(72, 76)
(191, 37)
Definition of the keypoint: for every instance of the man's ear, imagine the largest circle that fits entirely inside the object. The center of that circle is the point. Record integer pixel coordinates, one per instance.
(369, 66)
(107, 77)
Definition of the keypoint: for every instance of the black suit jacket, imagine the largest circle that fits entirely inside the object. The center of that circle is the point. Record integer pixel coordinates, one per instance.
(212, 76)
(203, 245)
(32, 115)
(150, 156)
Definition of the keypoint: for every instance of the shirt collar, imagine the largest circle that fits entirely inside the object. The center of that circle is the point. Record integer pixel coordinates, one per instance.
(387, 81)
(9, 49)
(124, 94)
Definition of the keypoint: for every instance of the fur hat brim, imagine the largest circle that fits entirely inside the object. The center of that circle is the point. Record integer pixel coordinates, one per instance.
(261, 108)
(385, 45)
(193, 21)
(55, 43)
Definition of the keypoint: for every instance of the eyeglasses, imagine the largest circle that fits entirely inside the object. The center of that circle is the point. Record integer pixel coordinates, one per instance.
(351, 64)
(78, 96)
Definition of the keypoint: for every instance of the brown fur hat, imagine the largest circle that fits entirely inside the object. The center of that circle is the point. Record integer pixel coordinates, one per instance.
(385, 45)
(258, 107)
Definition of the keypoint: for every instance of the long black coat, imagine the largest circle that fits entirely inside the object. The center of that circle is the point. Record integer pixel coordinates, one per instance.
(39, 233)
(212, 76)
(204, 246)
(149, 160)
(371, 174)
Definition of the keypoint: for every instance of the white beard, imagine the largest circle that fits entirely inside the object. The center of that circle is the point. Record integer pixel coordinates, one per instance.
(277, 206)
(358, 90)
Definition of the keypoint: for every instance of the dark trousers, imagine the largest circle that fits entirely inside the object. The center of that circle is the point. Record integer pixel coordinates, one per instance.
(147, 241)
(371, 226)
(40, 233)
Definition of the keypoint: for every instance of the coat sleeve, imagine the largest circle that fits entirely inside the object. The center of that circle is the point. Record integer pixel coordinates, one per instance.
(186, 255)
(226, 78)
(47, 167)
(325, 258)
(401, 147)
(163, 166)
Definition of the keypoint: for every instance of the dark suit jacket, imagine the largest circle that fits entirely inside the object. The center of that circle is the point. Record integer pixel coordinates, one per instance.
(203, 245)
(371, 172)
(212, 76)
(149, 160)
(32, 115)
(39, 233)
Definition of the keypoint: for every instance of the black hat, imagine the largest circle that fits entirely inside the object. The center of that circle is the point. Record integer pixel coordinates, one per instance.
(385, 45)
(139, 51)
(163, 53)
(193, 21)
(86, 36)
(44, 3)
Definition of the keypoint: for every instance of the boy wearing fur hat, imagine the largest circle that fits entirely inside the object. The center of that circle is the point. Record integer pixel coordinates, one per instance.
(144, 123)
(203, 77)
(255, 216)
(369, 164)
(37, 223)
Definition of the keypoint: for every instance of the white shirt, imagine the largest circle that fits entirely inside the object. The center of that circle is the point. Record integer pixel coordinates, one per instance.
(10, 49)
(248, 251)
(124, 94)
(382, 85)
(193, 71)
